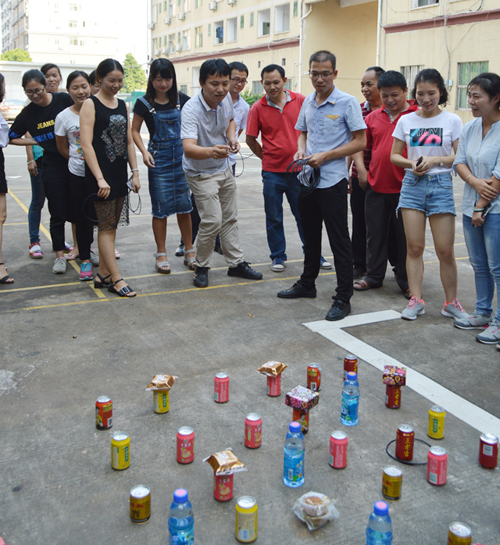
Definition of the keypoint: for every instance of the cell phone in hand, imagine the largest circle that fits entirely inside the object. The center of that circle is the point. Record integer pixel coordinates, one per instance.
(420, 159)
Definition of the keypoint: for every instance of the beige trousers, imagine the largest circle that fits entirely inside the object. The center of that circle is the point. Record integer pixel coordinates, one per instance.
(215, 196)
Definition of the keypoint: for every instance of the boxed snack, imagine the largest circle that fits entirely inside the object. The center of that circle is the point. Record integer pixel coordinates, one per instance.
(394, 376)
(302, 399)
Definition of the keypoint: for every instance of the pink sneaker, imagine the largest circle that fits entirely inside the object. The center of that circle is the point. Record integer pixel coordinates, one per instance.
(35, 251)
(453, 310)
(86, 270)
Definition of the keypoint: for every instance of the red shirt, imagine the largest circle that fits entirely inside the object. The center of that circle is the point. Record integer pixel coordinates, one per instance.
(279, 136)
(383, 176)
(367, 155)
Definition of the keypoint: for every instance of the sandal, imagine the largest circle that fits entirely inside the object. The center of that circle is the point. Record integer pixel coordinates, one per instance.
(123, 292)
(189, 261)
(101, 283)
(6, 279)
(163, 267)
(363, 285)
(70, 256)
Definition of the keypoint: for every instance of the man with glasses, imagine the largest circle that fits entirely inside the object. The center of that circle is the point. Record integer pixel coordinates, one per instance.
(237, 82)
(332, 128)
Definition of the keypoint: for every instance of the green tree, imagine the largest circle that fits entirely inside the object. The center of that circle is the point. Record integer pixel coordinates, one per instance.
(20, 55)
(134, 77)
(249, 97)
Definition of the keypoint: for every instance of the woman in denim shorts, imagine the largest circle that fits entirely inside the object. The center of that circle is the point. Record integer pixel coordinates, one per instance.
(430, 136)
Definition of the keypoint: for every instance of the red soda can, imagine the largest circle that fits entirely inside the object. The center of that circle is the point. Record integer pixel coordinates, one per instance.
(392, 396)
(221, 388)
(185, 445)
(223, 487)
(303, 418)
(314, 377)
(338, 449)
(253, 430)
(350, 365)
(103, 413)
(405, 439)
(437, 463)
(488, 451)
(274, 386)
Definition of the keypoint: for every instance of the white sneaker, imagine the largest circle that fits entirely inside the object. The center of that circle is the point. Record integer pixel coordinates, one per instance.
(453, 310)
(59, 265)
(278, 265)
(415, 308)
(94, 258)
(490, 335)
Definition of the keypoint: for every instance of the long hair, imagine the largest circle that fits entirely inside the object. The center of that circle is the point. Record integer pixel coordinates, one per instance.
(2, 88)
(164, 68)
(106, 66)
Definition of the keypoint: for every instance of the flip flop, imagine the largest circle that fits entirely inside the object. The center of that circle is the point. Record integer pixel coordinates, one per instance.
(6, 279)
(70, 256)
(363, 285)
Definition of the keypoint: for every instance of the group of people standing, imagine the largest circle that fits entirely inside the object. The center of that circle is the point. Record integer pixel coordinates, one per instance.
(400, 154)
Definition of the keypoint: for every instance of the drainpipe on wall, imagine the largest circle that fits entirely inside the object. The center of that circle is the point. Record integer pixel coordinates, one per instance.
(301, 38)
(379, 24)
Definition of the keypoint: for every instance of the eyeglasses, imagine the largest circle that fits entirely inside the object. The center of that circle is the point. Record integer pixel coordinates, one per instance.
(239, 80)
(38, 91)
(323, 75)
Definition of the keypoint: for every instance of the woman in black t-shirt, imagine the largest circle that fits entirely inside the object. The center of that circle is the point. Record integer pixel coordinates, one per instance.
(38, 118)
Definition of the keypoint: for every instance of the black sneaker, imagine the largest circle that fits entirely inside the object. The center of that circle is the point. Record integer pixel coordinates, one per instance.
(338, 311)
(297, 291)
(243, 270)
(180, 250)
(200, 279)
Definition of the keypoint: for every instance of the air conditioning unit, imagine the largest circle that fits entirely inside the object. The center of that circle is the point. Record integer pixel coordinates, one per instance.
(212, 6)
(163, 50)
(231, 2)
(178, 48)
(157, 51)
(181, 16)
(167, 20)
(151, 26)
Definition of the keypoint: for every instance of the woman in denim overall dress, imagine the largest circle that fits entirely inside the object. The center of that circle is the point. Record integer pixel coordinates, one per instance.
(169, 191)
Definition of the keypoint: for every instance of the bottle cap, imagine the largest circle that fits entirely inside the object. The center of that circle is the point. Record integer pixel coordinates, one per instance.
(181, 495)
(352, 375)
(295, 427)
(380, 508)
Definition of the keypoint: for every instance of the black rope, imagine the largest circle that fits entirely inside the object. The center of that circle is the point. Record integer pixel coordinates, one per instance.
(403, 461)
(302, 177)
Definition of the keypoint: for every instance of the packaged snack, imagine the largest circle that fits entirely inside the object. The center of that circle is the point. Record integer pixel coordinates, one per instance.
(272, 368)
(161, 382)
(225, 462)
(315, 509)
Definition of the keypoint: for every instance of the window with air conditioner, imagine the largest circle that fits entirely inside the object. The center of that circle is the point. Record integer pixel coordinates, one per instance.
(219, 32)
(410, 72)
(421, 3)
(282, 18)
(185, 40)
(171, 9)
(232, 29)
(264, 22)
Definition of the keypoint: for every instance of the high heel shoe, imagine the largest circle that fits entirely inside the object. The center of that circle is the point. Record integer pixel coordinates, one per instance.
(99, 285)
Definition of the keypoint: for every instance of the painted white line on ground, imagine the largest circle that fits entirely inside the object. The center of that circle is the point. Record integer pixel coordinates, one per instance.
(452, 403)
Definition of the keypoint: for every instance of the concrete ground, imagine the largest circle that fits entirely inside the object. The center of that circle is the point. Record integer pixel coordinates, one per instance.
(64, 344)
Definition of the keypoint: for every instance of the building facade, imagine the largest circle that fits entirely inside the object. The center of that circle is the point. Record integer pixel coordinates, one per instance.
(60, 31)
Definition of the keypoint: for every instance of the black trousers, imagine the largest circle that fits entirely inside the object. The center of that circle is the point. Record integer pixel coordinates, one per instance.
(84, 227)
(358, 240)
(329, 206)
(384, 227)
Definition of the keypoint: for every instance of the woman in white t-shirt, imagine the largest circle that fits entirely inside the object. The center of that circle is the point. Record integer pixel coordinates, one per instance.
(67, 131)
(430, 136)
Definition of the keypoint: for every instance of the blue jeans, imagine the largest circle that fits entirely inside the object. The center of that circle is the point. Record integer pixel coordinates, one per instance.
(274, 186)
(484, 256)
(36, 205)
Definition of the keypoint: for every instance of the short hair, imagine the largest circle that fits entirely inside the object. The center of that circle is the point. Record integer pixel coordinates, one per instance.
(48, 66)
(430, 75)
(214, 67)
(272, 68)
(391, 78)
(92, 77)
(239, 66)
(378, 71)
(2, 88)
(33, 75)
(74, 75)
(323, 56)
(489, 83)
(106, 66)
(166, 70)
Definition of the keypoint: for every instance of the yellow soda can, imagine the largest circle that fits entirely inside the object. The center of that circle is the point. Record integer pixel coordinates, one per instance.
(140, 504)
(161, 401)
(436, 422)
(246, 519)
(120, 450)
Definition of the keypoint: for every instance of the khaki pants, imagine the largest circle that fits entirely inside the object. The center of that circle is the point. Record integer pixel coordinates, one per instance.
(215, 196)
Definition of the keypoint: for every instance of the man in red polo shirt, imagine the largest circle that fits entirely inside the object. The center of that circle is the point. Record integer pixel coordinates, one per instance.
(384, 179)
(274, 117)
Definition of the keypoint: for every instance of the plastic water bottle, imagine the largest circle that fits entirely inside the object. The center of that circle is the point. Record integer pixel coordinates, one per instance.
(181, 520)
(293, 466)
(379, 529)
(350, 400)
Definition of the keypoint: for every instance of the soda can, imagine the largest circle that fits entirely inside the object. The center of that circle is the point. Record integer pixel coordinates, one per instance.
(314, 377)
(437, 462)
(303, 418)
(392, 396)
(392, 482)
(350, 365)
(405, 440)
(103, 413)
(246, 519)
(274, 386)
(436, 422)
(459, 534)
(223, 487)
(140, 504)
(161, 401)
(120, 450)
(221, 388)
(488, 451)
(185, 445)
(338, 450)
(253, 430)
